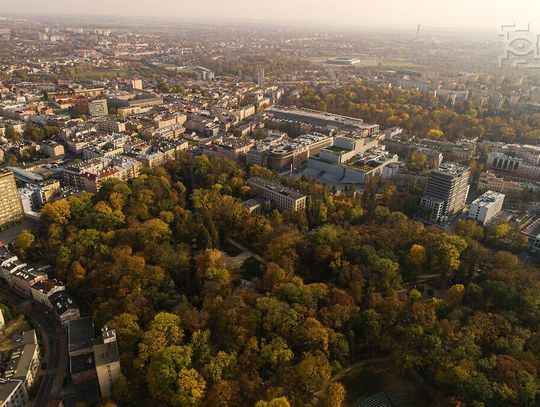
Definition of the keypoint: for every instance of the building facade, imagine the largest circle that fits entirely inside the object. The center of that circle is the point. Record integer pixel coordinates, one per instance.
(486, 207)
(11, 211)
(446, 190)
(281, 197)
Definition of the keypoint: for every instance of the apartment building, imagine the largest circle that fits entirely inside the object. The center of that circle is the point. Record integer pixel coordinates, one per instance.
(486, 207)
(446, 190)
(280, 196)
(11, 211)
(25, 360)
(488, 180)
(98, 107)
(107, 360)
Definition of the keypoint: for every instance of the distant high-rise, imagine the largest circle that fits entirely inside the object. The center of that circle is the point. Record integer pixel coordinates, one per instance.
(446, 191)
(137, 84)
(11, 210)
(258, 77)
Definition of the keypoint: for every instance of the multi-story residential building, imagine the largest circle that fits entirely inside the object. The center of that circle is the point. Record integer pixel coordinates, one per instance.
(111, 126)
(107, 361)
(23, 278)
(13, 393)
(137, 84)
(11, 210)
(90, 175)
(25, 360)
(65, 307)
(446, 190)
(43, 290)
(486, 207)
(98, 107)
(34, 196)
(517, 166)
(52, 148)
(90, 357)
(281, 197)
(500, 161)
(234, 148)
(488, 180)
(80, 333)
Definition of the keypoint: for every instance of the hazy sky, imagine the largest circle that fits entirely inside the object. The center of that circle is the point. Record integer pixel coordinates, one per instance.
(383, 13)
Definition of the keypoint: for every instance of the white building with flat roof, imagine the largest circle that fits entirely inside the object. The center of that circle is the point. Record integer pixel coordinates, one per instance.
(486, 207)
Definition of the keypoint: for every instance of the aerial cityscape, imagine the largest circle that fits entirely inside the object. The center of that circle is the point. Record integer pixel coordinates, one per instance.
(289, 204)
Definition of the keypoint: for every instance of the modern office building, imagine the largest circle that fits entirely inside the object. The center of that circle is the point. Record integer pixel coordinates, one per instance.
(279, 154)
(486, 207)
(11, 210)
(280, 196)
(352, 160)
(446, 190)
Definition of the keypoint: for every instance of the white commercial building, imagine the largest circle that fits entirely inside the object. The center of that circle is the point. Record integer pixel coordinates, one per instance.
(486, 207)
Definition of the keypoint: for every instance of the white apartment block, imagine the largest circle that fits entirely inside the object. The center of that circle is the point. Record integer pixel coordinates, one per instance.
(486, 207)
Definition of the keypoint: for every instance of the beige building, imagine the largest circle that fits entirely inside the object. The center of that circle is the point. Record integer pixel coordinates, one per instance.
(280, 196)
(98, 107)
(137, 84)
(25, 360)
(107, 361)
(490, 181)
(11, 210)
(52, 148)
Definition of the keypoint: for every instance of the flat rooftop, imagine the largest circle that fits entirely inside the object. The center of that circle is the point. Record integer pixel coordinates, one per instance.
(276, 187)
(80, 334)
(450, 168)
(106, 353)
(488, 198)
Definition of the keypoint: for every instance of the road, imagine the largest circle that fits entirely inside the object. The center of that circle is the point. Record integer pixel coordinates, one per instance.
(50, 331)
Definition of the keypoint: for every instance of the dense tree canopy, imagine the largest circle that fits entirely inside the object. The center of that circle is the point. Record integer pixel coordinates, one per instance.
(423, 114)
(149, 259)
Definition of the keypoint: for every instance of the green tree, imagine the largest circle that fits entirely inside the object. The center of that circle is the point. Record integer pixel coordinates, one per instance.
(23, 242)
(191, 388)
